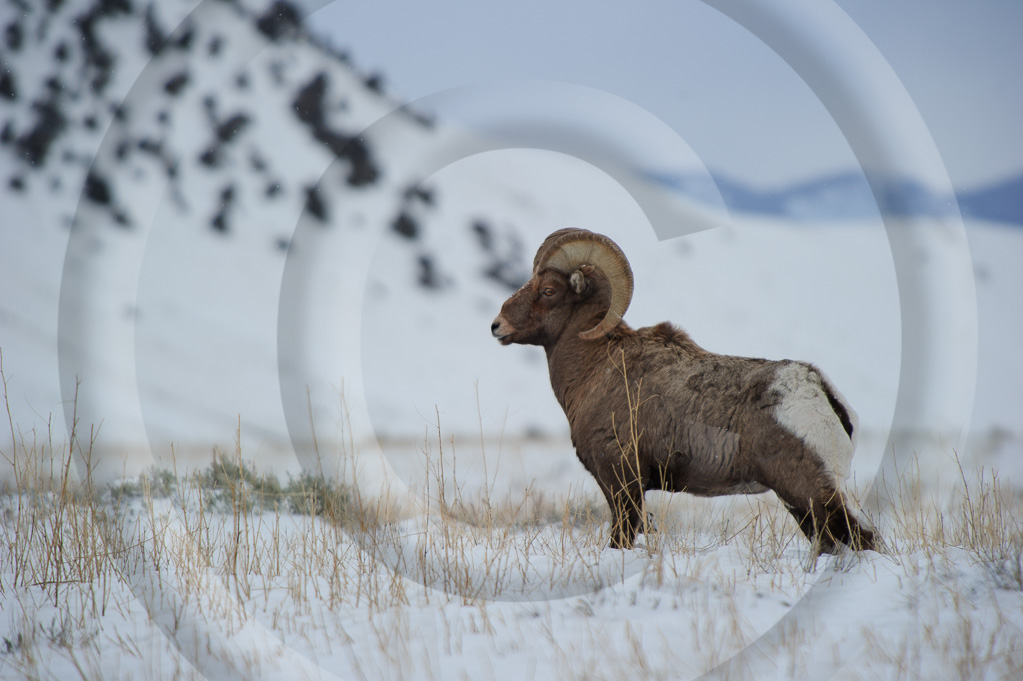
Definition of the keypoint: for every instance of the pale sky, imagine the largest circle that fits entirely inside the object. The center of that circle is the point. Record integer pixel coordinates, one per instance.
(742, 109)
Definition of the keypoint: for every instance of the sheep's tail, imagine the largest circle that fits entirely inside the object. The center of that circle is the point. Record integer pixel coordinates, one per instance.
(850, 420)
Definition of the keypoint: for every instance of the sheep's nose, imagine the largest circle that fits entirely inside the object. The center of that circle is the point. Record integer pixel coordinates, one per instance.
(493, 327)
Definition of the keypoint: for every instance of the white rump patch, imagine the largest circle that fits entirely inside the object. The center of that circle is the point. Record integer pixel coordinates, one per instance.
(805, 412)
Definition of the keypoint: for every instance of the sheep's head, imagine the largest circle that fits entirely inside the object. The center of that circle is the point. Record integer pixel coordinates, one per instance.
(577, 276)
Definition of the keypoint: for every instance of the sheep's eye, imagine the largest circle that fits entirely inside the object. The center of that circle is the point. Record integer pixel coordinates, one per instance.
(548, 292)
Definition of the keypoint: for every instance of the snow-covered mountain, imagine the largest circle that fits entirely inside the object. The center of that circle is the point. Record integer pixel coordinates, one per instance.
(213, 222)
(849, 196)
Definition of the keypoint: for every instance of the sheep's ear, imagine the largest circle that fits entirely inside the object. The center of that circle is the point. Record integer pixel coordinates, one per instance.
(577, 281)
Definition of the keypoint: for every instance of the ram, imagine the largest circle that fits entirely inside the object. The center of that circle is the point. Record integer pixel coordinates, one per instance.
(648, 408)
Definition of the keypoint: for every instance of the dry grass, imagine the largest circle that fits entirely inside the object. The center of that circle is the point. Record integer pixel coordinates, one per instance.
(230, 567)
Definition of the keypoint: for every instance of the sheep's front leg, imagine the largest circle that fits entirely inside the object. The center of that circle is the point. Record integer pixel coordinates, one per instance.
(626, 504)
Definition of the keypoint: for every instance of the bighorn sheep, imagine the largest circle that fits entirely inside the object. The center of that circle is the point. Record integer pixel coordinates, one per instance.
(650, 409)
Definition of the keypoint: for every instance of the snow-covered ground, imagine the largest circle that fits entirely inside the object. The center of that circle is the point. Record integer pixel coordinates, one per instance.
(185, 582)
(312, 339)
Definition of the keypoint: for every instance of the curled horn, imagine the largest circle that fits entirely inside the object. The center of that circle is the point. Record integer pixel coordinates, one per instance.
(568, 249)
(540, 259)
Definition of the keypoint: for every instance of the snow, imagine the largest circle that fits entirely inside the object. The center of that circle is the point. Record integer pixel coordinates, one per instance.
(433, 597)
(181, 340)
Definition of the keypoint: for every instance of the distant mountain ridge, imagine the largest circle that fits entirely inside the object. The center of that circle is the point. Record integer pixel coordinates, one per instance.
(847, 196)
(1001, 202)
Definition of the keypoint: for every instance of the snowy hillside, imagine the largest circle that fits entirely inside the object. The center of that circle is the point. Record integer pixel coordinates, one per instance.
(179, 147)
(204, 231)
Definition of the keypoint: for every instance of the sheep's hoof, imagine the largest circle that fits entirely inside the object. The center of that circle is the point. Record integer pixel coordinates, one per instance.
(621, 542)
(831, 549)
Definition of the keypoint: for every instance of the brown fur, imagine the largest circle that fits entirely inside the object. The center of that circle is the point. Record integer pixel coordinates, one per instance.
(650, 409)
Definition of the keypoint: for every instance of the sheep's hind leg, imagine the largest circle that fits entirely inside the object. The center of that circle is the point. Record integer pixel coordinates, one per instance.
(804, 485)
(826, 521)
(842, 524)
